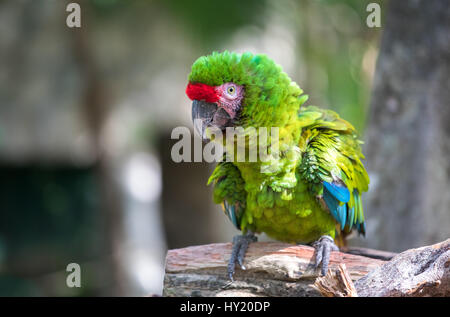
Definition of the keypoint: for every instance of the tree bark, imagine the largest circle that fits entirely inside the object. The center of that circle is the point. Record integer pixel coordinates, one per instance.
(418, 272)
(279, 269)
(336, 283)
(273, 269)
(408, 136)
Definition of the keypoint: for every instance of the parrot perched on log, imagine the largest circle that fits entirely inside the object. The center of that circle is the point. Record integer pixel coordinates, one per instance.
(310, 192)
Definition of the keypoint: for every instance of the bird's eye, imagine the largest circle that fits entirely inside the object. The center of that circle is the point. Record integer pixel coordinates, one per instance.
(231, 90)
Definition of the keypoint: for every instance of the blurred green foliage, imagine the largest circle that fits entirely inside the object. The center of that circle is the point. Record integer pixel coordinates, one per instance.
(213, 22)
(48, 218)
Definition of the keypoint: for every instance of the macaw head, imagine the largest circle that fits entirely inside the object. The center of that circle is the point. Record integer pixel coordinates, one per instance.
(229, 89)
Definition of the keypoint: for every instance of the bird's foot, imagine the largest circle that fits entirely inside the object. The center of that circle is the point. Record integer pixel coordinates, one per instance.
(240, 245)
(323, 247)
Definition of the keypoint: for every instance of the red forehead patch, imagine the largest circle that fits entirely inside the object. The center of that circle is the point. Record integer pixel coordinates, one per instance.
(201, 92)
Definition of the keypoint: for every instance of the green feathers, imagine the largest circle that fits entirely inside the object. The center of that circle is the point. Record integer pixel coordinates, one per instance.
(333, 158)
(228, 183)
(270, 97)
(317, 180)
(229, 191)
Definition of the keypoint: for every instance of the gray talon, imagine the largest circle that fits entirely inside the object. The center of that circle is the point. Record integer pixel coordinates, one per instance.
(323, 247)
(240, 245)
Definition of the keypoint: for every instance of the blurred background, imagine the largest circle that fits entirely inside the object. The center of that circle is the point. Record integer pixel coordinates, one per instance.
(86, 116)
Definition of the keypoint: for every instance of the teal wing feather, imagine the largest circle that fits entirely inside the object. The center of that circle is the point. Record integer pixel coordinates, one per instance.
(332, 165)
(229, 191)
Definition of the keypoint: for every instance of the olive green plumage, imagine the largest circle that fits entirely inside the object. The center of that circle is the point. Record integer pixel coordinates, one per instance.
(314, 187)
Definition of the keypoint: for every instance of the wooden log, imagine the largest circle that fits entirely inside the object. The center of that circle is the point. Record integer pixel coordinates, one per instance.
(336, 283)
(371, 253)
(423, 271)
(273, 269)
(417, 272)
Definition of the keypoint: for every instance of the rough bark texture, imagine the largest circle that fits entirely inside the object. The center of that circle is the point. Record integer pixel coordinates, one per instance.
(408, 137)
(336, 283)
(371, 253)
(417, 272)
(279, 269)
(273, 269)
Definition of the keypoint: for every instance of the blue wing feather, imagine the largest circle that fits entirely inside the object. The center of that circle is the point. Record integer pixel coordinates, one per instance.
(336, 197)
(331, 202)
(231, 213)
(351, 216)
(342, 213)
(339, 191)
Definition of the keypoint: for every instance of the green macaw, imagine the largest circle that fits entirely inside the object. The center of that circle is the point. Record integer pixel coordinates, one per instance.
(311, 191)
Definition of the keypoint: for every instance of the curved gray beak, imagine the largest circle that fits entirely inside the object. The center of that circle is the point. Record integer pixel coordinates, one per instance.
(206, 114)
